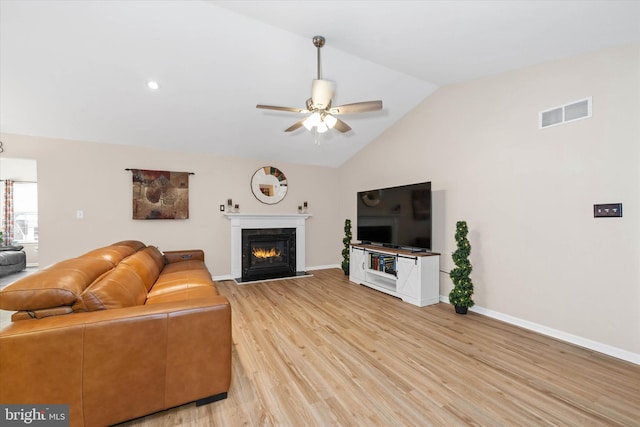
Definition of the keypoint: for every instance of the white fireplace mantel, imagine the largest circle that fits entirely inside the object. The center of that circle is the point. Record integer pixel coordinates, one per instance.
(240, 221)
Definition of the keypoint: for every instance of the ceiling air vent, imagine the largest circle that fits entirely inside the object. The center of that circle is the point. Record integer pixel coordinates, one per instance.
(573, 111)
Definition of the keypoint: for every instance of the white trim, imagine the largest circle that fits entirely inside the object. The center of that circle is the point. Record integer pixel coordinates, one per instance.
(555, 333)
(323, 267)
(222, 278)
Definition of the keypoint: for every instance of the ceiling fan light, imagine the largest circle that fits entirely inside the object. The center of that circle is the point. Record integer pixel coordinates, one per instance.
(322, 127)
(312, 120)
(330, 121)
(307, 124)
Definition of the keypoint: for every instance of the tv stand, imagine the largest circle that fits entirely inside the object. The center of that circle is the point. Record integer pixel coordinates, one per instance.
(411, 276)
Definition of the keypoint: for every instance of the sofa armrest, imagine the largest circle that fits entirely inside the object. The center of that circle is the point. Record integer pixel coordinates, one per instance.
(115, 365)
(185, 255)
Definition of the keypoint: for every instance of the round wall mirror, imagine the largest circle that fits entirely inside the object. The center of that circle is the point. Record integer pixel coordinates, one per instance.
(269, 185)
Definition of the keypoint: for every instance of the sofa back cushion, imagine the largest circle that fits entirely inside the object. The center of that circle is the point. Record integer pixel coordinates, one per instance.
(122, 287)
(55, 286)
(113, 253)
(136, 245)
(147, 264)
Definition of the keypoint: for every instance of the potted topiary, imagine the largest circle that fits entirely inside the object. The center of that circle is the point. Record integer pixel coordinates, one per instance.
(347, 246)
(461, 294)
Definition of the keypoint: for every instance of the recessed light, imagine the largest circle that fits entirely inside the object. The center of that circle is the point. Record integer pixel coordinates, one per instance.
(153, 85)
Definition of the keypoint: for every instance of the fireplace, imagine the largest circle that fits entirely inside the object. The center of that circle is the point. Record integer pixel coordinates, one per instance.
(268, 223)
(268, 253)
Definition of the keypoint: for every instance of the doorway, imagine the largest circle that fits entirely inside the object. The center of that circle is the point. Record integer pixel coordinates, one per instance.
(19, 205)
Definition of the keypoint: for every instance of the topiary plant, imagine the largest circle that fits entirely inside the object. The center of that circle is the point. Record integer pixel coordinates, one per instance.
(347, 246)
(462, 292)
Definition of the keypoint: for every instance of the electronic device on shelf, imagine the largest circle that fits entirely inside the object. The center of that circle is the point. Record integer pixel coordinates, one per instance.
(398, 217)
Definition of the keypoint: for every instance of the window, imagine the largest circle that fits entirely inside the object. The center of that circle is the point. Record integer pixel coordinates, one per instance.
(25, 211)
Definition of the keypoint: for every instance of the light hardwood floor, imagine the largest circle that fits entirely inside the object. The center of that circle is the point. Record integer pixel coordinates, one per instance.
(320, 351)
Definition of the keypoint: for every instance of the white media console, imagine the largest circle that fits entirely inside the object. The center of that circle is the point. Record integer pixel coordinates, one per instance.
(411, 276)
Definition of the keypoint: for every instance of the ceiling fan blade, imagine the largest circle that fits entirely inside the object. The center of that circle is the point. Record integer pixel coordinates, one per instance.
(357, 107)
(341, 126)
(295, 126)
(290, 109)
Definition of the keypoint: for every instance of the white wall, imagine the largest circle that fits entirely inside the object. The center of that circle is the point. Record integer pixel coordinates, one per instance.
(527, 194)
(18, 169)
(91, 177)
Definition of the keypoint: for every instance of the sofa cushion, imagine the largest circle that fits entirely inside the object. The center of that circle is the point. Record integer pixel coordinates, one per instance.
(182, 293)
(40, 314)
(147, 264)
(114, 253)
(122, 287)
(55, 286)
(12, 257)
(190, 265)
(136, 245)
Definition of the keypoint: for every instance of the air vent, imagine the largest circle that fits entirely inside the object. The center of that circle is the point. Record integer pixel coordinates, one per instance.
(571, 112)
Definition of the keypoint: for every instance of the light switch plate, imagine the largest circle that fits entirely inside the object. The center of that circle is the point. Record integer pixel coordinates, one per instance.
(607, 210)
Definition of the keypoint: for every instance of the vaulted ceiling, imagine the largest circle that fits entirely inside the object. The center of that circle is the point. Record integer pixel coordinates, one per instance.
(79, 69)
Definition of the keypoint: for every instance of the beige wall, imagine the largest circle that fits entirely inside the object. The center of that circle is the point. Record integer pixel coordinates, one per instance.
(528, 194)
(91, 177)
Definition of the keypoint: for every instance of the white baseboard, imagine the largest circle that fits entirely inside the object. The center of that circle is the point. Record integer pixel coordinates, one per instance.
(555, 333)
(323, 267)
(222, 278)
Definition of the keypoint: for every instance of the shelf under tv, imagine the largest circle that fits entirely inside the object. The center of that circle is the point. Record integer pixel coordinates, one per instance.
(416, 278)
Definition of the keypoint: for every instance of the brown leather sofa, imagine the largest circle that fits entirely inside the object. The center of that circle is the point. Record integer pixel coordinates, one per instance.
(117, 333)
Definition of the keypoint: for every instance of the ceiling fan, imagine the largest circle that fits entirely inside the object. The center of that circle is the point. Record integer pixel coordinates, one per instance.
(321, 116)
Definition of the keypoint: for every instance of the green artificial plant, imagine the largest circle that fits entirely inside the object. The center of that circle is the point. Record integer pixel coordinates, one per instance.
(462, 292)
(347, 243)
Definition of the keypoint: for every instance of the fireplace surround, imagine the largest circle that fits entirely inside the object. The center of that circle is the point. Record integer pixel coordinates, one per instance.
(268, 224)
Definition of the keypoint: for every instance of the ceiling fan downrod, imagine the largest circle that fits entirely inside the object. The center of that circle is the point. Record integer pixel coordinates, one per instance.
(318, 41)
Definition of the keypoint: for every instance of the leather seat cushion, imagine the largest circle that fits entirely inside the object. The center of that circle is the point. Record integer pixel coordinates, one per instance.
(182, 293)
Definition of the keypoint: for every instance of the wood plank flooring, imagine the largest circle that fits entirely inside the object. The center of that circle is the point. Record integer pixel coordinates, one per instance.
(321, 351)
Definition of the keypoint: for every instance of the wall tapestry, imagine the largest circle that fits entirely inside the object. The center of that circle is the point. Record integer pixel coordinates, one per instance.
(160, 194)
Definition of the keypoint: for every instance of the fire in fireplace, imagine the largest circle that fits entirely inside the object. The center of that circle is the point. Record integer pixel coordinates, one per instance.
(268, 253)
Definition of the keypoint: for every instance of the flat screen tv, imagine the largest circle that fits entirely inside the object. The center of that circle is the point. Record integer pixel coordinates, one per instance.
(398, 217)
